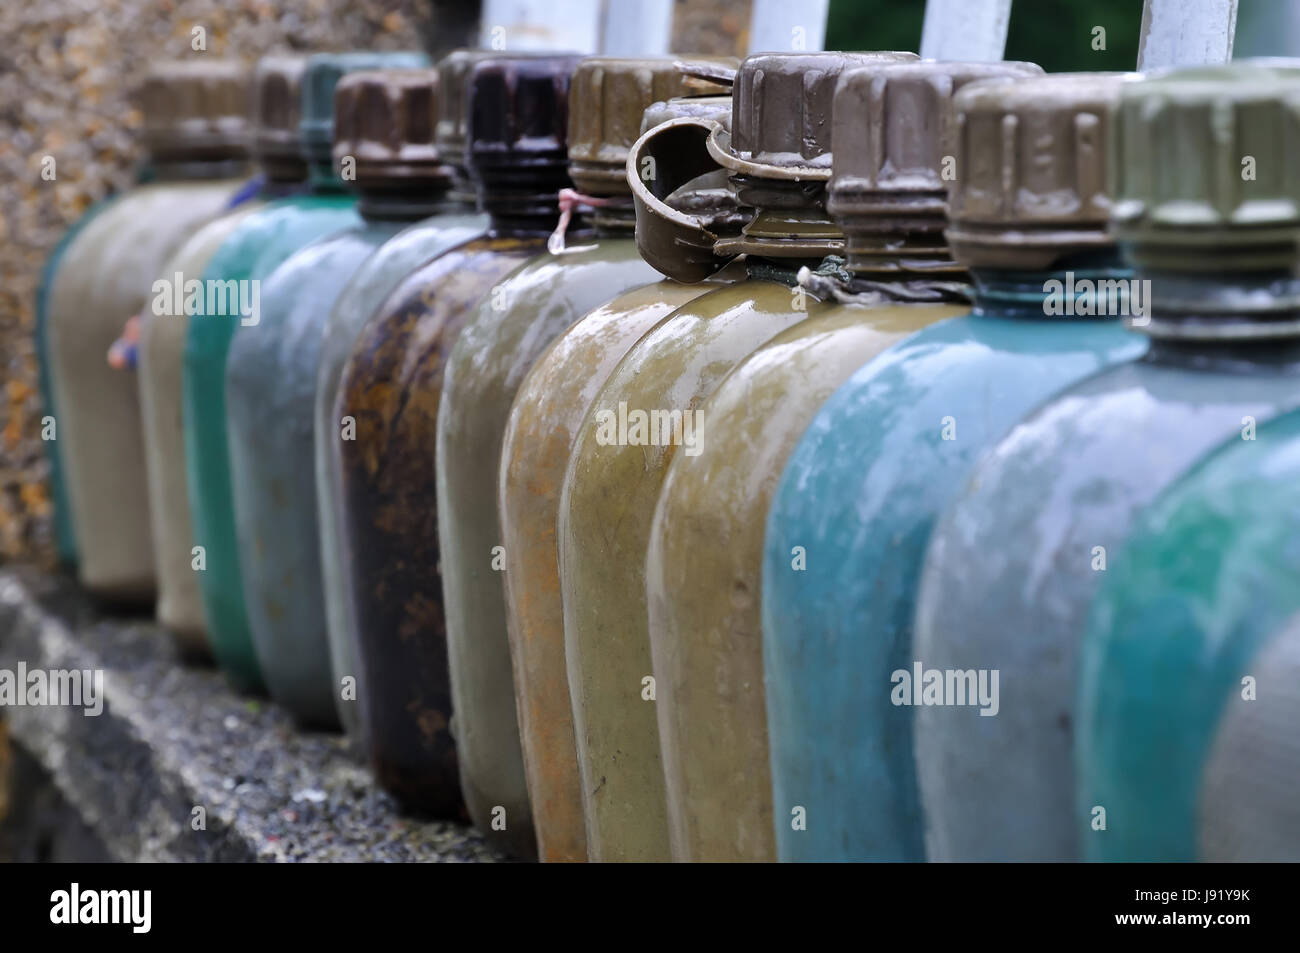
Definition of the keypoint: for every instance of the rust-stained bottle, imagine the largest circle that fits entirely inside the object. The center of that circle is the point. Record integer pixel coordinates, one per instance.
(498, 346)
(778, 152)
(547, 411)
(391, 386)
(388, 157)
(195, 131)
(893, 127)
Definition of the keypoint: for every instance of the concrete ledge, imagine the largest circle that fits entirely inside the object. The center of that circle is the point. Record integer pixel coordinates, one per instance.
(172, 738)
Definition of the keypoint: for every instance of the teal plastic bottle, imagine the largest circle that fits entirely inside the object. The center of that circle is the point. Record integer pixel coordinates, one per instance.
(1187, 685)
(263, 241)
(412, 98)
(160, 347)
(848, 524)
(1015, 562)
(271, 377)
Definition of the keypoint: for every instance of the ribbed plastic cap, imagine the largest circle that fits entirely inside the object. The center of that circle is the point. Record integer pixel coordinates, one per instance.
(714, 108)
(1031, 178)
(781, 112)
(452, 134)
(323, 72)
(195, 110)
(606, 107)
(518, 128)
(1205, 176)
(277, 107)
(385, 120)
(895, 129)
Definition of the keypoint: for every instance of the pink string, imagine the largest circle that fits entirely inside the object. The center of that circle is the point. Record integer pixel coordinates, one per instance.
(571, 200)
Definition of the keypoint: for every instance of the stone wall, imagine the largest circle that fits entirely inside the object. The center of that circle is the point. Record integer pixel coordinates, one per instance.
(67, 70)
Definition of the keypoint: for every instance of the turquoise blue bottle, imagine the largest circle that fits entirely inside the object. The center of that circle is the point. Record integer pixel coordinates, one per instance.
(1188, 702)
(1039, 525)
(271, 378)
(856, 503)
(265, 239)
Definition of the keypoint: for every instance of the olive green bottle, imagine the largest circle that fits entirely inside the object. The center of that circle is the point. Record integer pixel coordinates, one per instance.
(164, 327)
(391, 386)
(194, 134)
(498, 346)
(539, 435)
(778, 152)
(894, 129)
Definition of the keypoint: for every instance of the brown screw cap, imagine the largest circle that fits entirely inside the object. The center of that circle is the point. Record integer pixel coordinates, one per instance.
(607, 105)
(895, 126)
(196, 110)
(781, 113)
(1031, 175)
(713, 108)
(385, 120)
(1204, 175)
(277, 105)
(896, 132)
(518, 110)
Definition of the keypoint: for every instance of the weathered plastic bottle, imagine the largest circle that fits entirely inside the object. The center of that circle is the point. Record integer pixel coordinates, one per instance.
(164, 326)
(65, 533)
(544, 419)
(778, 153)
(195, 115)
(1187, 698)
(419, 99)
(893, 128)
(296, 137)
(1016, 559)
(272, 372)
(391, 385)
(849, 521)
(496, 349)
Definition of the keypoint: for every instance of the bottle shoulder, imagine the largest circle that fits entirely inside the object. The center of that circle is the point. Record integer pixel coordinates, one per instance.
(275, 230)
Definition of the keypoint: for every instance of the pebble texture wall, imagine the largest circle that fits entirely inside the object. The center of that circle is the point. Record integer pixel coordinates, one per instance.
(67, 68)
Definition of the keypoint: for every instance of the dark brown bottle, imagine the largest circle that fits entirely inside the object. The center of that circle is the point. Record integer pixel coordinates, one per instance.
(391, 385)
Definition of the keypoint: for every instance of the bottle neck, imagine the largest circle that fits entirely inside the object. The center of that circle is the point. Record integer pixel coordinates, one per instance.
(1217, 307)
(1269, 355)
(1092, 286)
(616, 220)
(406, 205)
(323, 180)
(189, 169)
(522, 201)
(790, 221)
(280, 188)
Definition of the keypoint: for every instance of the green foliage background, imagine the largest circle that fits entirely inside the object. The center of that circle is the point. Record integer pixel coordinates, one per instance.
(1056, 34)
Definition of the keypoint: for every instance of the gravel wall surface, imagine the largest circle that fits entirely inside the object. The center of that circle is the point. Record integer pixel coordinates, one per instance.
(68, 69)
